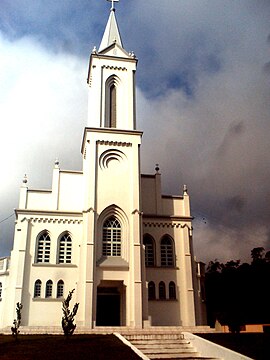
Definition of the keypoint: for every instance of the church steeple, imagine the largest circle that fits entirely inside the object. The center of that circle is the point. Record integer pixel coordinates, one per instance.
(111, 34)
(111, 80)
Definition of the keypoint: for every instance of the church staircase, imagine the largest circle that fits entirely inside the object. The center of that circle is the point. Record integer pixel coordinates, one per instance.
(166, 345)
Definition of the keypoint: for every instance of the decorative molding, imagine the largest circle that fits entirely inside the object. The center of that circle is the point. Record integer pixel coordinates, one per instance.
(111, 155)
(165, 225)
(91, 209)
(120, 68)
(52, 220)
(114, 143)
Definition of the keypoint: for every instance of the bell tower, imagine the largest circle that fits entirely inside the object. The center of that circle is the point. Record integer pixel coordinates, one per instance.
(112, 242)
(111, 80)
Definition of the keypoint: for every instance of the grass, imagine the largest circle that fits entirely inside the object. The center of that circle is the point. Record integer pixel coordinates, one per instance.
(55, 347)
(254, 345)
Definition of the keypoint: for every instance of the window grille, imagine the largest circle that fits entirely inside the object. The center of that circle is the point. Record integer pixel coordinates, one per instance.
(172, 291)
(49, 285)
(162, 291)
(111, 244)
(1, 289)
(43, 248)
(166, 252)
(65, 247)
(151, 291)
(148, 241)
(37, 289)
(60, 288)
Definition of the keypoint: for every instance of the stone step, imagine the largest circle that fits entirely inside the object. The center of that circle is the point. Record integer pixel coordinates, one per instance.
(157, 347)
(167, 351)
(157, 342)
(178, 336)
(188, 357)
(174, 356)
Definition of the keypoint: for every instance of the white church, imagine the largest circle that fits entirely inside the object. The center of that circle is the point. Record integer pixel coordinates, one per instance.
(106, 231)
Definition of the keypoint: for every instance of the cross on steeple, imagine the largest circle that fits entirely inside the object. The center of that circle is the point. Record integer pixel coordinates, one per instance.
(113, 1)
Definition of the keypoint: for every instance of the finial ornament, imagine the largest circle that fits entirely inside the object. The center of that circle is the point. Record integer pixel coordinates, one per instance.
(25, 179)
(113, 1)
(157, 168)
(56, 163)
(185, 190)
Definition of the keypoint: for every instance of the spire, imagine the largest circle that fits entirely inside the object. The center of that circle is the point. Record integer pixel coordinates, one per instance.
(111, 34)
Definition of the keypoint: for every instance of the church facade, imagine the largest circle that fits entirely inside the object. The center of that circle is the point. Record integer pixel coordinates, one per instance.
(106, 231)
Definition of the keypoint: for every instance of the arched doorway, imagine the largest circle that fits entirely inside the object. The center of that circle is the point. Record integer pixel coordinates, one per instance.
(110, 304)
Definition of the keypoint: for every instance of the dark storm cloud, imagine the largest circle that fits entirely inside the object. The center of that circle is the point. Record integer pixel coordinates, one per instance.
(233, 134)
(203, 103)
(236, 203)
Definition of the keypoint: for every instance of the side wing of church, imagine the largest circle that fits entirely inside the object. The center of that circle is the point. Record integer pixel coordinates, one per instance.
(106, 231)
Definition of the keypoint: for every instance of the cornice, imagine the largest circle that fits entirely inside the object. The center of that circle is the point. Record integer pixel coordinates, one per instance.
(50, 217)
(114, 143)
(108, 131)
(119, 68)
(172, 197)
(168, 217)
(44, 220)
(112, 57)
(113, 130)
(48, 212)
(166, 225)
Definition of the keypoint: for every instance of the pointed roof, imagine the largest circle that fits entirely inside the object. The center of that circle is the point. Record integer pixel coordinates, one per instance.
(111, 34)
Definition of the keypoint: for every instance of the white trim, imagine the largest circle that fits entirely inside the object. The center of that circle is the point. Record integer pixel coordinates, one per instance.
(126, 342)
(208, 348)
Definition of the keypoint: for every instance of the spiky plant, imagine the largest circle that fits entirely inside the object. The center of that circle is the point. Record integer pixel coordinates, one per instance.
(68, 317)
(17, 322)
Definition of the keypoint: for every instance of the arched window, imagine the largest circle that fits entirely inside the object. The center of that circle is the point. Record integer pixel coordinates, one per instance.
(162, 291)
(151, 291)
(166, 252)
(112, 106)
(49, 285)
(64, 251)
(60, 289)
(1, 289)
(111, 239)
(37, 289)
(149, 244)
(172, 291)
(43, 248)
(111, 95)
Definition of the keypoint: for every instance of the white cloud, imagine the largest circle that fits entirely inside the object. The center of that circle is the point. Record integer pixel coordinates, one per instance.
(43, 104)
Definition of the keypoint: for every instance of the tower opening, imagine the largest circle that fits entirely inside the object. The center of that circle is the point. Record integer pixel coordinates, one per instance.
(112, 105)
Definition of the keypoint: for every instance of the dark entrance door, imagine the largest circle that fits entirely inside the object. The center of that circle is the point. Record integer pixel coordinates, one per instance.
(108, 307)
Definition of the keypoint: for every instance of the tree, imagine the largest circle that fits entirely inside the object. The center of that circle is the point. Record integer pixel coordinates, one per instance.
(17, 321)
(238, 294)
(267, 256)
(68, 318)
(257, 254)
(214, 266)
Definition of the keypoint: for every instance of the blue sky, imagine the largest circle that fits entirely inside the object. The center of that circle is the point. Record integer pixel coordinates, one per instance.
(203, 103)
